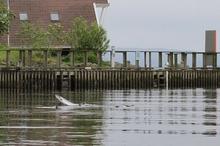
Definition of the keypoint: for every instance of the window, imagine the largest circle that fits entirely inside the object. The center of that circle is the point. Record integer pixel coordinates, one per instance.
(54, 16)
(23, 16)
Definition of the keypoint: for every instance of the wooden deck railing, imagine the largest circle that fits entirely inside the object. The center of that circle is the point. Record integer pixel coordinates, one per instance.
(54, 59)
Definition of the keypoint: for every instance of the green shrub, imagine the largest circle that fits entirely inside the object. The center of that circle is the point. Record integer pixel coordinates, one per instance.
(85, 36)
(5, 17)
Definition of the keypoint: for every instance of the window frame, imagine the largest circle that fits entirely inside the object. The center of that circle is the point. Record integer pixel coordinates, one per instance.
(54, 16)
(23, 16)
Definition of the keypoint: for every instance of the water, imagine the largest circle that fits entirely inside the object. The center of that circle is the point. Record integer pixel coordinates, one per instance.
(112, 118)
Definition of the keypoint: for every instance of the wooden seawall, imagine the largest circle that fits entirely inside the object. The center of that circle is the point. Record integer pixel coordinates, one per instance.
(19, 70)
(36, 80)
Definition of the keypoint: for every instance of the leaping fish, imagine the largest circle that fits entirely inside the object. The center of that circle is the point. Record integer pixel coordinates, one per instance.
(65, 101)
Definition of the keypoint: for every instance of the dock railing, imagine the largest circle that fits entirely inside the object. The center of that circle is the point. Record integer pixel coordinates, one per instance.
(67, 58)
(67, 69)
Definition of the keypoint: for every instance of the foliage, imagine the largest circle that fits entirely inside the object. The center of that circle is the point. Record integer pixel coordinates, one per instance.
(5, 18)
(56, 34)
(33, 36)
(98, 37)
(78, 34)
(14, 57)
(36, 37)
(83, 35)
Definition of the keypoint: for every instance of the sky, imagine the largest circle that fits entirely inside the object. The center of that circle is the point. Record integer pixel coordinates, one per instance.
(169, 24)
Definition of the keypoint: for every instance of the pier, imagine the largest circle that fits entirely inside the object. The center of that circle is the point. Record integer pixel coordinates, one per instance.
(170, 70)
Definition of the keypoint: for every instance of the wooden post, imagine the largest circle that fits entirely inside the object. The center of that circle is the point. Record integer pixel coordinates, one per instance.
(175, 60)
(160, 61)
(137, 59)
(59, 58)
(29, 58)
(112, 57)
(45, 58)
(23, 58)
(20, 63)
(7, 58)
(184, 59)
(204, 60)
(194, 64)
(170, 59)
(60, 81)
(99, 57)
(150, 65)
(145, 59)
(73, 58)
(214, 60)
(85, 58)
(125, 59)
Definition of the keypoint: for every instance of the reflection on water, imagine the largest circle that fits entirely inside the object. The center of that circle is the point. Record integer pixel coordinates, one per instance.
(152, 117)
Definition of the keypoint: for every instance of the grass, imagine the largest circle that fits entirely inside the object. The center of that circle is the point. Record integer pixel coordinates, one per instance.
(38, 59)
(14, 57)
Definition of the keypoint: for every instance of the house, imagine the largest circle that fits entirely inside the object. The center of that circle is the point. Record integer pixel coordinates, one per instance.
(45, 12)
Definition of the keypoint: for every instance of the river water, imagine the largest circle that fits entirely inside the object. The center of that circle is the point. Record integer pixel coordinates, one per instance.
(111, 118)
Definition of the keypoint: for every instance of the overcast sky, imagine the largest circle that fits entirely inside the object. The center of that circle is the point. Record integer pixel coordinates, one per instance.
(175, 24)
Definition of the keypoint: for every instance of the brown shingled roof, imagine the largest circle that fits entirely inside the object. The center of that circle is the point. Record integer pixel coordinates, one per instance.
(101, 1)
(39, 13)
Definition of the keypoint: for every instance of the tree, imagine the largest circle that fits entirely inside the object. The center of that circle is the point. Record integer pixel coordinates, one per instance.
(56, 35)
(98, 37)
(5, 17)
(36, 37)
(83, 35)
(33, 36)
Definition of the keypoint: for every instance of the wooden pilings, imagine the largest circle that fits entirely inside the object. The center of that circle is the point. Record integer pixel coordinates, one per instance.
(194, 79)
(142, 79)
(27, 80)
(111, 79)
(82, 79)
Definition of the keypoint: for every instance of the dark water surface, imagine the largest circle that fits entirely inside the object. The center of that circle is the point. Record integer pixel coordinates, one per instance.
(112, 118)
